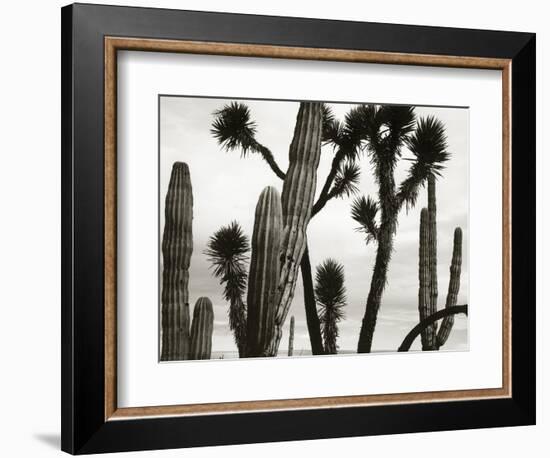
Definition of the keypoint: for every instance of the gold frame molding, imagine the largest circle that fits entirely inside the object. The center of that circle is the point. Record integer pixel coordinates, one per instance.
(114, 44)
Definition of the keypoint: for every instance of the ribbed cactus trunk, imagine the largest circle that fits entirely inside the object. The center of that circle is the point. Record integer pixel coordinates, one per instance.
(424, 277)
(297, 202)
(454, 287)
(291, 337)
(177, 247)
(263, 279)
(201, 329)
(431, 332)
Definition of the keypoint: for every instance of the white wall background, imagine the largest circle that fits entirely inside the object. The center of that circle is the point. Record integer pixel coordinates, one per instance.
(30, 225)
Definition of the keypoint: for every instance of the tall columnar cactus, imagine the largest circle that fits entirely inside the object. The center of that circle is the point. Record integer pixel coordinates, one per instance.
(291, 337)
(432, 340)
(177, 247)
(201, 329)
(454, 287)
(297, 202)
(263, 279)
(432, 217)
(424, 277)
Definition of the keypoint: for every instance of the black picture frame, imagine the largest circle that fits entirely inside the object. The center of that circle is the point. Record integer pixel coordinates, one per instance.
(84, 428)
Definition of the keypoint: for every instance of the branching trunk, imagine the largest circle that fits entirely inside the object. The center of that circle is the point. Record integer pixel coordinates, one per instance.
(378, 283)
(386, 231)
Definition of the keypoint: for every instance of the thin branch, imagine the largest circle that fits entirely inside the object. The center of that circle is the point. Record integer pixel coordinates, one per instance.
(269, 158)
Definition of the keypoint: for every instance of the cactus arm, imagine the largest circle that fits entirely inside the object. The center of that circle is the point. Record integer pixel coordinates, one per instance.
(432, 217)
(291, 337)
(202, 329)
(428, 321)
(454, 287)
(264, 272)
(177, 247)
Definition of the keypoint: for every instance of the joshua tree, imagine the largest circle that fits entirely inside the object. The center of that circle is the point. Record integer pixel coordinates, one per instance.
(331, 299)
(227, 252)
(234, 129)
(384, 131)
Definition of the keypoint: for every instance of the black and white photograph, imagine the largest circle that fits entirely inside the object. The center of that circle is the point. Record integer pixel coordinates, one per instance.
(311, 228)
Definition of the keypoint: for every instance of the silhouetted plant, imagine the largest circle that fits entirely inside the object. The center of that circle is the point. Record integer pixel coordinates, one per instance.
(330, 294)
(227, 252)
(384, 131)
(177, 247)
(234, 129)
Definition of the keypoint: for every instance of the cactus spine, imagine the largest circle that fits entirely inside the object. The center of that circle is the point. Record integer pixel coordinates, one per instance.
(432, 218)
(291, 337)
(424, 275)
(177, 247)
(297, 202)
(454, 287)
(263, 279)
(201, 329)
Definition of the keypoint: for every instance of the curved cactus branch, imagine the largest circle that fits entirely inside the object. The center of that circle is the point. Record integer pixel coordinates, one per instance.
(414, 332)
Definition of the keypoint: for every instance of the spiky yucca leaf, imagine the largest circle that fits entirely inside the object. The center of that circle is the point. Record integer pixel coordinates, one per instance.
(233, 127)
(383, 128)
(346, 180)
(364, 212)
(330, 130)
(330, 294)
(227, 252)
(428, 144)
(400, 120)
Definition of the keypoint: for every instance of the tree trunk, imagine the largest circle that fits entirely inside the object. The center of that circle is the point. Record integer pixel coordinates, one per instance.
(378, 282)
(312, 318)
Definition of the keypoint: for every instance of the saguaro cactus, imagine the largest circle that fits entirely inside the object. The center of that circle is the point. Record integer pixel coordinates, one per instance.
(291, 337)
(263, 279)
(432, 218)
(454, 287)
(424, 277)
(432, 340)
(201, 329)
(177, 247)
(297, 202)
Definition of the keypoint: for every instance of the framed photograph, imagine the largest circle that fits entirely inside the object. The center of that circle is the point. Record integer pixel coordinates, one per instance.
(284, 228)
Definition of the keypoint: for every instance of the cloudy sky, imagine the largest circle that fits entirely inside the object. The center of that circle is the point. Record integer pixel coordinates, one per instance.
(226, 188)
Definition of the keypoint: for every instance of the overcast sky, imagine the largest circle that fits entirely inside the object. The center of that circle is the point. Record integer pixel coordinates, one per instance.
(226, 187)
